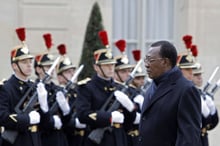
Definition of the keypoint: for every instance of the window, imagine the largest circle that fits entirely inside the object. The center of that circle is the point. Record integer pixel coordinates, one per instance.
(141, 22)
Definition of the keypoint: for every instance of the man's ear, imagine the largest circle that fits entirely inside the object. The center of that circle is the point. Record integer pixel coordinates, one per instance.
(166, 62)
(38, 69)
(14, 66)
(95, 67)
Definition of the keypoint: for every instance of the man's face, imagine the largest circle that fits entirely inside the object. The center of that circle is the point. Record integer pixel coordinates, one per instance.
(68, 74)
(187, 73)
(139, 81)
(197, 79)
(108, 70)
(26, 66)
(122, 74)
(154, 64)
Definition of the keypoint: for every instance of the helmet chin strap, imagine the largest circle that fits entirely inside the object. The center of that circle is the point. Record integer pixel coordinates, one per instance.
(64, 77)
(20, 69)
(119, 76)
(102, 71)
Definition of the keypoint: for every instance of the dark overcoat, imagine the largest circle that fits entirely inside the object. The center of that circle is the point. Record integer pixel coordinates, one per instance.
(173, 115)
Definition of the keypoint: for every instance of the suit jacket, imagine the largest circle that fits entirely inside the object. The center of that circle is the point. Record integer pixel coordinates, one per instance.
(173, 115)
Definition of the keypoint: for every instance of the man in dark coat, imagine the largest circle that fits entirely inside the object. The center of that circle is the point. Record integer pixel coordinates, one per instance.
(171, 112)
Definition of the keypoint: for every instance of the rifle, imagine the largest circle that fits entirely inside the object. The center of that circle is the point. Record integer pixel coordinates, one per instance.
(96, 135)
(207, 86)
(70, 85)
(214, 89)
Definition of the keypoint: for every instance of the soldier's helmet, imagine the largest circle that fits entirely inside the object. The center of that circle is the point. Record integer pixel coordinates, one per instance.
(65, 62)
(122, 61)
(104, 55)
(20, 52)
(137, 56)
(198, 69)
(45, 58)
(188, 58)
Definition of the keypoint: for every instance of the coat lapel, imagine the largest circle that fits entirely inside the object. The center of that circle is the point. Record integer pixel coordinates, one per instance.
(163, 88)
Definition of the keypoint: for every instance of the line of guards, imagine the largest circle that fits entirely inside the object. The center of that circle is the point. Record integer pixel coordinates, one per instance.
(63, 117)
(78, 110)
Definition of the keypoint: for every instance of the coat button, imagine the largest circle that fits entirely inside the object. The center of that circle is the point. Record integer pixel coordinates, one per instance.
(139, 138)
(143, 118)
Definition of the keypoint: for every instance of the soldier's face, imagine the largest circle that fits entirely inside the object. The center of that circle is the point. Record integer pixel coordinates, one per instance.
(122, 74)
(139, 81)
(105, 70)
(68, 74)
(197, 79)
(26, 66)
(187, 73)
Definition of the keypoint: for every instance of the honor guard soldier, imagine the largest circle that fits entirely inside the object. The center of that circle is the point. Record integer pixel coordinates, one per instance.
(94, 102)
(210, 117)
(19, 128)
(65, 71)
(52, 133)
(123, 69)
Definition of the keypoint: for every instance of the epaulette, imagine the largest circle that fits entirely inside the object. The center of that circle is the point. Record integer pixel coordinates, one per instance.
(3, 81)
(84, 81)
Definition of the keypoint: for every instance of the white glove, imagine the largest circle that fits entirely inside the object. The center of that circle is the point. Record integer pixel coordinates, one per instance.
(57, 122)
(139, 99)
(34, 117)
(205, 108)
(117, 117)
(78, 124)
(42, 97)
(137, 118)
(124, 100)
(63, 104)
(210, 103)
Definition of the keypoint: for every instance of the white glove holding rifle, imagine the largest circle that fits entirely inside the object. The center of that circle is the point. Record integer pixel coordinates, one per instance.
(57, 122)
(117, 117)
(210, 103)
(139, 99)
(124, 100)
(78, 124)
(42, 97)
(205, 108)
(62, 102)
(34, 117)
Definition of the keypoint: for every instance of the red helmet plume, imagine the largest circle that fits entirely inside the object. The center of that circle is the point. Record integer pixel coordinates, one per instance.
(121, 45)
(62, 49)
(21, 33)
(104, 37)
(48, 40)
(136, 54)
(187, 40)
